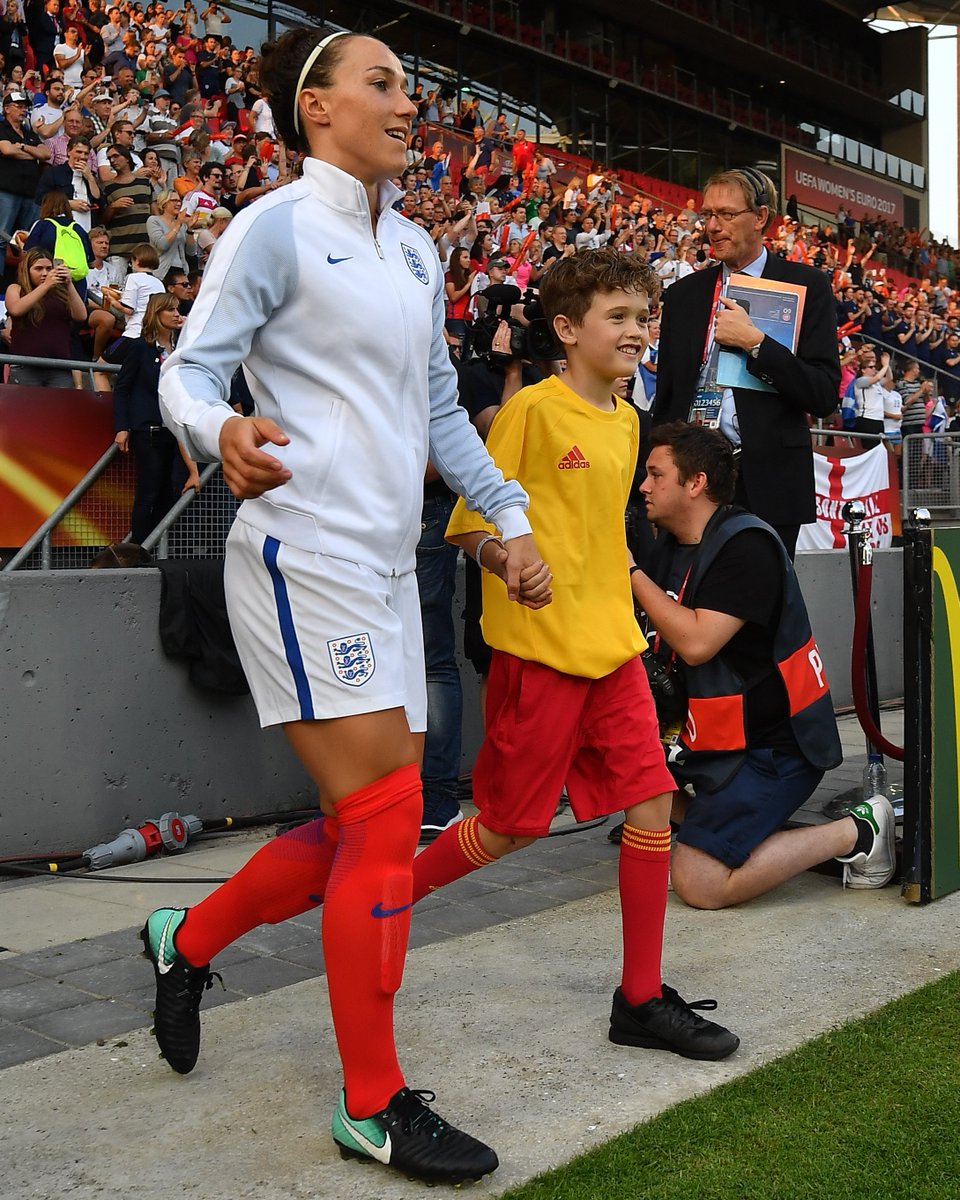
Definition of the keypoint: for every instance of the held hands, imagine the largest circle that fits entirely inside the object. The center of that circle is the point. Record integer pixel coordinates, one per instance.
(519, 565)
(248, 470)
(734, 327)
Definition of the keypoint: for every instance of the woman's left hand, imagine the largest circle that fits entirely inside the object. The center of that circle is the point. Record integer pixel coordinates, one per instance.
(193, 481)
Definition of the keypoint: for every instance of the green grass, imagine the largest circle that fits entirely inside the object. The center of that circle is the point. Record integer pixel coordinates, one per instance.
(869, 1111)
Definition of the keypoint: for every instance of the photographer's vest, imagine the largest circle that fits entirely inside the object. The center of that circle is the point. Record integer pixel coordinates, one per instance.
(713, 741)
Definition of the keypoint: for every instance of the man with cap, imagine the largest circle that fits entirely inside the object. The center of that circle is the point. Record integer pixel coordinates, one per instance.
(158, 129)
(22, 156)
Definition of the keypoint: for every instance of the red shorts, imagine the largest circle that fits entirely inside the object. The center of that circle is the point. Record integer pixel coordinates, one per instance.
(546, 729)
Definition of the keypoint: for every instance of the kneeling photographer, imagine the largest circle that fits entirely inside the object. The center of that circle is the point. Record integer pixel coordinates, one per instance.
(747, 719)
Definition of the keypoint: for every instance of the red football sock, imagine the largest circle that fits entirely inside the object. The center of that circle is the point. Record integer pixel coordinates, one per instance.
(285, 877)
(644, 870)
(455, 853)
(366, 922)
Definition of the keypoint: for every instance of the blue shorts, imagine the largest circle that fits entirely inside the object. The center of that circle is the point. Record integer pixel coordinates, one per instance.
(766, 791)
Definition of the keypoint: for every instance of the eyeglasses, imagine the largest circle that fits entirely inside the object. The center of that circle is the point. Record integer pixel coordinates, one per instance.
(726, 216)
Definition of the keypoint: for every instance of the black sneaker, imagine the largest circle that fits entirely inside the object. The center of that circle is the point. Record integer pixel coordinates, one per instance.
(413, 1138)
(180, 987)
(440, 811)
(669, 1023)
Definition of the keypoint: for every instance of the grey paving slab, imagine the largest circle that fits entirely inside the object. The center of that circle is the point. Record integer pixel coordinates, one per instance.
(272, 939)
(456, 920)
(516, 903)
(259, 975)
(19, 1045)
(87, 1023)
(309, 956)
(27, 1000)
(11, 974)
(111, 978)
(58, 960)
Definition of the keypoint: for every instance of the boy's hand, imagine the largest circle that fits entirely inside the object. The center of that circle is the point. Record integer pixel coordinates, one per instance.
(521, 554)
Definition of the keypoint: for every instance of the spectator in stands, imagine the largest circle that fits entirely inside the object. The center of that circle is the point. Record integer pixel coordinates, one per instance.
(892, 412)
(47, 119)
(44, 25)
(209, 229)
(122, 134)
(164, 471)
(171, 234)
(457, 285)
(129, 202)
(76, 180)
(103, 282)
(592, 236)
(158, 130)
(139, 285)
(768, 428)
(68, 56)
(177, 75)
(868, 391)
(42, 305)
(178, 284)
(22, 155)
(13, 39)
(214, 18)
(205, 197)
(189, 181)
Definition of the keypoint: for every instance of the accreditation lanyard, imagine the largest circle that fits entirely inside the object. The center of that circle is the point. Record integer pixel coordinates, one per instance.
(708, 401)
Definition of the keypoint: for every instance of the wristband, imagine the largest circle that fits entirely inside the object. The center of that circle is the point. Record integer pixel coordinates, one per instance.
(490, 537)
(634, 568)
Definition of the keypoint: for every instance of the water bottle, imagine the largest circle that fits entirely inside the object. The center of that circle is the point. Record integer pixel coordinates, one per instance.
(874, 777)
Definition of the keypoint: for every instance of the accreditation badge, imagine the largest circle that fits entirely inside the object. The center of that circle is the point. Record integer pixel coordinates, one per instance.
(706, 407)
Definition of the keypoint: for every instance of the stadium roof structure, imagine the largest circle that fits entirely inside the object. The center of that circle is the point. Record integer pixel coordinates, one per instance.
(930, 12)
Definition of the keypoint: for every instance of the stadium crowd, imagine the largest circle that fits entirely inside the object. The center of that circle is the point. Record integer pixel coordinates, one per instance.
(132, 134)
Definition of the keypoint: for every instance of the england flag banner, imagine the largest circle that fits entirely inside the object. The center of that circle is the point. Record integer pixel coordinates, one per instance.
(864, 477)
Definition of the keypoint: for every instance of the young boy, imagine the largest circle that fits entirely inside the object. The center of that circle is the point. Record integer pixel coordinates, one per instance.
(138, 287)
(568, 699)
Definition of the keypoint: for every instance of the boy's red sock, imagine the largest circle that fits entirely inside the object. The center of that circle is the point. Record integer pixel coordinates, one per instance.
(285, 877)
(366, 922)
(644, 870)
(455, 853)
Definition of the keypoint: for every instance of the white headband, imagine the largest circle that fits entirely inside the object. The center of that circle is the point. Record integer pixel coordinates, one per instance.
(307, 68)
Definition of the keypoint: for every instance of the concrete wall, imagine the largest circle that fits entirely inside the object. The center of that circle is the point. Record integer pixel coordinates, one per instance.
(100, 731)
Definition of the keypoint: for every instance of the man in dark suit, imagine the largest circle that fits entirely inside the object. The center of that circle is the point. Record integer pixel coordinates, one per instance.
(768, 429)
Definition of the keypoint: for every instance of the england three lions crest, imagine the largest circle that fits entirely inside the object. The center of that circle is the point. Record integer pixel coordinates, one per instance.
(418, 268)
(353, 659)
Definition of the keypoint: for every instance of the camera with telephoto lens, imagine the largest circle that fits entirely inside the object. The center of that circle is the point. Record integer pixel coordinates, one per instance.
(669, 697)
(532, 341)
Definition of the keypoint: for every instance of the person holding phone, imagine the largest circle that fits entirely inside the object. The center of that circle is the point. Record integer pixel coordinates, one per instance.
(42, 305)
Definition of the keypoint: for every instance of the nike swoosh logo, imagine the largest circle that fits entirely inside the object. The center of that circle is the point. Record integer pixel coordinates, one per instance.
(162, 966)
(333, 261)
(380, 1153)
(379, 911)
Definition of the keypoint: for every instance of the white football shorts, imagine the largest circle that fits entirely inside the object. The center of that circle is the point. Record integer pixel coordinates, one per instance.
(322, 637)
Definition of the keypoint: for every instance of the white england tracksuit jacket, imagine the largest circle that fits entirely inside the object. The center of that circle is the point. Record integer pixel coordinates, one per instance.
(340, 336)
